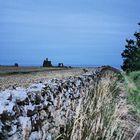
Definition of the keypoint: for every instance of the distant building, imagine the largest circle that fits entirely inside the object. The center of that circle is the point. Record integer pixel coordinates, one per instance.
(60, 65)
(16, 64)
(47, 63)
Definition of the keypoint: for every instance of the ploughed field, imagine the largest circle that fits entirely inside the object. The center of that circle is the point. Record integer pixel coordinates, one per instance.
(11, 77)
(8, 70)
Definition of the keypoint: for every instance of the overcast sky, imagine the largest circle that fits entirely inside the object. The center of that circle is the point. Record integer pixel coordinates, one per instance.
(75, 32)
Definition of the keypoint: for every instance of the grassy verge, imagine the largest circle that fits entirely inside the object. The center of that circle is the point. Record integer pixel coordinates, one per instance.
(132, 81)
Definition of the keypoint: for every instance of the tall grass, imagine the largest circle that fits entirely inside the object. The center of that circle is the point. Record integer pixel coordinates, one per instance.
(98, 116)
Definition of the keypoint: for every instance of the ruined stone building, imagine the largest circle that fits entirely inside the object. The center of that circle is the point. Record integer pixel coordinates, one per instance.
(47, 63)
(60, 65)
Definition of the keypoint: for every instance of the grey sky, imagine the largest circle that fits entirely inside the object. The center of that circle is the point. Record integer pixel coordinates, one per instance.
(91, 32)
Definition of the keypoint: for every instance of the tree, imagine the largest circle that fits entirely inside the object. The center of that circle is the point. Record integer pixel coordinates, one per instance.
(131, 54)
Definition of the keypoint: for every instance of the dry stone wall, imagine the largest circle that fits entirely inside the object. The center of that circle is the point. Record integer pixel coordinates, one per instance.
(44, 111)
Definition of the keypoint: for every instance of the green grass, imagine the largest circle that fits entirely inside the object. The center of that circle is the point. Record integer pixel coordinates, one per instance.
(135, 77)
(132, 81)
